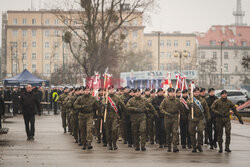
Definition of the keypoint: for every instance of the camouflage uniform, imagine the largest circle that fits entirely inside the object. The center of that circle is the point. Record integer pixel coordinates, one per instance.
(87, 106)
(123, 119)
(69, 112)
(221, 107)
(197, 124)
(111, 124)
(74, 116)
(137, 107)
(171, 108)
(150, 122)
(63, 110)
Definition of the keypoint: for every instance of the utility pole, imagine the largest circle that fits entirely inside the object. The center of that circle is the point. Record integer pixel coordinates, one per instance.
(221, 44)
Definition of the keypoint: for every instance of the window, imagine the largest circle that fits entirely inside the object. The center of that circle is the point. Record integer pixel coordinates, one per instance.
(14, 44)
(33, 33)
(161, 43)
(214, 55)
(162, 55)
(168, 54)
(226, 67)
(135, 34)
(56, 44)
(212, 42)
(65, 21)
(176, 43)
(14, 55)
(24, 21)
(149, 42)
(189, 55)
(168, 66)
(161, 66)
(46, 56)
(236, 69)
(24, 44)
(33, 21)
(243, 43)
(134, 45)
(55, 67)
(15, 21)
(14, 33)
(47, 21)
(24, 56)
(46, 68)
(56, 21)
(33, 66)
(14, 67)
(225, 55)
(33, 56)
(203, 55)
(46, 33)
(188, 43)
(46, 44)
(149, 55)
(24, 66)
(168, 43)
(24, 33)
(126, 23)
(55, 56)
(56, 33)
(135, 22)
(34, 44)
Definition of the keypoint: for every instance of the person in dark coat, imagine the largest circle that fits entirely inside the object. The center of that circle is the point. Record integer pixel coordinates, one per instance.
(29, 103)
(1, 110)
(15, 101)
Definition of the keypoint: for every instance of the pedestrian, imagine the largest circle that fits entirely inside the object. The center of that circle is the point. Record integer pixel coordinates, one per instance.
(29, 103)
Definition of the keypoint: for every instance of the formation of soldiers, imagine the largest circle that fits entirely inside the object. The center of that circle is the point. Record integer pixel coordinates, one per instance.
(168, 119)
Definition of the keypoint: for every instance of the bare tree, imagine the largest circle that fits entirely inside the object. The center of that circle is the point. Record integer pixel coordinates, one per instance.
(246, 62)
(98, 25)
(207, 69)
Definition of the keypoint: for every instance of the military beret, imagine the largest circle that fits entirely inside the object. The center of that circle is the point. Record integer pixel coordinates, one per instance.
(202, 90)
(196, 89)
(160, 90)
(178, 90)
(210, 89)
(147, 89)
(170, 89)
(223, 92)
(131, 90)
(185, 91)
(111, 87)
(137, 90)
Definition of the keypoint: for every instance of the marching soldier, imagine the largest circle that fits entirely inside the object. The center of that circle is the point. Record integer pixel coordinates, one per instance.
(69, 110)
(221, 108)
(137, 107)
(115, 107)
(63, 108)
(159, 122)
(185, 138)
(171, 107)
(197, 123)
(123, 121)
(150, 119)
(87, 105)
(211, 125)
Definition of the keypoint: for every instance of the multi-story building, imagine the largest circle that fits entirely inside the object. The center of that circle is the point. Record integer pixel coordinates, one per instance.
(33, 40)
(220, 53)
(170, 51)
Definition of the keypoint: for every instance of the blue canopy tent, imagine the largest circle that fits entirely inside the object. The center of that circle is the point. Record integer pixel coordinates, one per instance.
(25, 78)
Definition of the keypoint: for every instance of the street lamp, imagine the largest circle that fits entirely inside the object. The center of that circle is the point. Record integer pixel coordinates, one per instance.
(221, 44)
(180, 54)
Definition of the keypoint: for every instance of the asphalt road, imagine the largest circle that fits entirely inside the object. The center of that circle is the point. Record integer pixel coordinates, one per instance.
(54, 148)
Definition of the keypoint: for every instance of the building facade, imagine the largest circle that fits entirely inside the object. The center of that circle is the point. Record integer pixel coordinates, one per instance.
(170, 51)
(33, 40)
(220, 53)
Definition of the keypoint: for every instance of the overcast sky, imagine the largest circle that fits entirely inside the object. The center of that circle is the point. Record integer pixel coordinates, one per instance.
(171, 15)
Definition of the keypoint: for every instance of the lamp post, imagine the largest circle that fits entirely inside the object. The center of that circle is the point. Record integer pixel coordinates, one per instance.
(180, 54)
(221, 44)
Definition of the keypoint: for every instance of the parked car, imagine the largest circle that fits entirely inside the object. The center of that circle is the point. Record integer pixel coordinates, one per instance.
(236, 96)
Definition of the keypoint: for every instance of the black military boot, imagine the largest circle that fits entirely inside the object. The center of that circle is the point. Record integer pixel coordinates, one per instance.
(80, 143)
(99, 140)
(125, 142)
(115, 146)
(183, 146)
(221, 149)
(211, 146)
(200, 149)
(194, 149)
(143, 148)
(215, 145)
(84, 147)
(110, 146)
(90, 147)
(227, 149)
(189, 146)
(175, 150)
(104, 144)
(65, 130)
(137, 148)
(161, 146)
(169, 148)
(129, 145)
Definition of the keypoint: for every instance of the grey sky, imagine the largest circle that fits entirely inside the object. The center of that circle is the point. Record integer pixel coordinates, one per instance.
(172, 15)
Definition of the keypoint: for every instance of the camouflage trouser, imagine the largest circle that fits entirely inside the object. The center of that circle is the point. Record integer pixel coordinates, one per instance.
(150, 128)
(220, 124)
(196, 126)
(75, 125)
(97, 128)
(123, 127)
(171, 127)
(138, 126)
(64, 118)
(68, 115)
(85, 126)
(111, 127)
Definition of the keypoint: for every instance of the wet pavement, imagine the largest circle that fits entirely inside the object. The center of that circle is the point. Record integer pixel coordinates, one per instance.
(54, 148)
